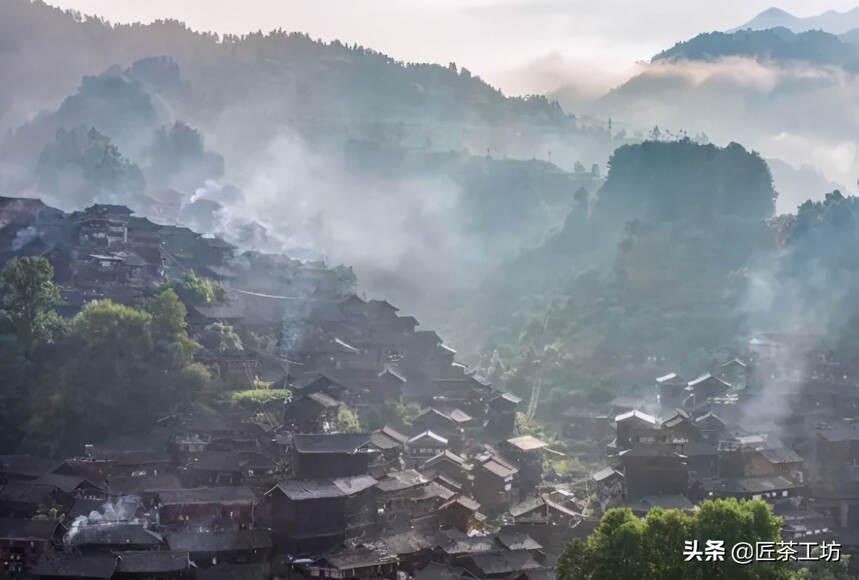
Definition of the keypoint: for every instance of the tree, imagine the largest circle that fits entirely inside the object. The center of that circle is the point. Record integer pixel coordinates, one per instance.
(623, 546)
(29, 298)
(347, 420)
(575, 562)
(221, 338)
(83, 165)
(823, 569)
(168, 314)
(168, 325)
(195, 289)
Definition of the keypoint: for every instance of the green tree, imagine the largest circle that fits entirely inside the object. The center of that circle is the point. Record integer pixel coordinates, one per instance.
(29, 298)
(221, 338)
(168, 325)
(617, 546)
(575, 562)
(196, 289)
(624, 546)
(347, 420)
(824, 570)
(664, 531)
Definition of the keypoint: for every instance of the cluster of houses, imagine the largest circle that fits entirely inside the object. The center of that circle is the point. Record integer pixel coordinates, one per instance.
(449, 489)
(780, 425)
(277, 489)
(106, 252)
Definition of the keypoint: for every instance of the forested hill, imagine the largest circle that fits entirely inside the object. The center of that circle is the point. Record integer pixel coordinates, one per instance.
(654, 268)
(775, 44)
(45, 51)
(678, 184)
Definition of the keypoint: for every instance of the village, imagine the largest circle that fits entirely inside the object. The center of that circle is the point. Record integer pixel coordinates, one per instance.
(454, 490)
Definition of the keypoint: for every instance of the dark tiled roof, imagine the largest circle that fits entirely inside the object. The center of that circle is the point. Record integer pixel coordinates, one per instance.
(677, 501)
(26, 465)
(400, 480)
(517, 541)
(67, 483)
(220, 541)
(222, 461)
(357, 558)
(408, 542)
(350, 443)
(750, 484)
(306, 489)
(24, 529)
(207, 495)
(232, 572)
(504, 562)
(26, 492)
(605, 474)
(146, 483)
(465, 501)
(115, 534)
(152, 562)
(500, 468)
(435, 571)
(70, 565)
(459, 543)
(781, 455)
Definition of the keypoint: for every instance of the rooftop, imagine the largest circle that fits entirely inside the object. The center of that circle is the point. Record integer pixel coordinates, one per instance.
(400, 480)
(446, 455)
(23, 529)
(527, 443)
(219, 541)
(500, 468)
(357, 558)
(114, 534)
(635, 415)
(207, 495)
(152, 562)
(504, 562)
(781, 455)
(430, 435)
(517, 541)
(603, 474)
(348, 443)
(71, 565)
(680, 502)
(308, 489)
(750, 484)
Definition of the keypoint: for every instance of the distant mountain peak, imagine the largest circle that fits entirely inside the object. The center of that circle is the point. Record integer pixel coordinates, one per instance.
(774, 11)
(830, 21)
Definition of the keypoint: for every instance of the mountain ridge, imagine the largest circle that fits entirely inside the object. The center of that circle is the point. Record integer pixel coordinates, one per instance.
(830, 21)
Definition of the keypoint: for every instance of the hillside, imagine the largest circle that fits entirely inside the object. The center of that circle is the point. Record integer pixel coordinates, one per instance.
(46, 51)
(656, 270)
(233, 134)
(777, 44)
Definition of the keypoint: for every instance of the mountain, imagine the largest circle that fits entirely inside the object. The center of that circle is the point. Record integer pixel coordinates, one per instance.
(830, 21)
(777, 44)
(650, 268)
(46, 51)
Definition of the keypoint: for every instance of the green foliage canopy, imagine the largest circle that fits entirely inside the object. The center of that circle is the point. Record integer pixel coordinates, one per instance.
(624, 546)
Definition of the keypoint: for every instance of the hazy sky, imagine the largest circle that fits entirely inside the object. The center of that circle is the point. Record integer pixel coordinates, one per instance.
(519, 45)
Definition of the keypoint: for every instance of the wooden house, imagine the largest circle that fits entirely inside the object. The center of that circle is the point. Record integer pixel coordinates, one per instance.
(216, 507)
(331, 455)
